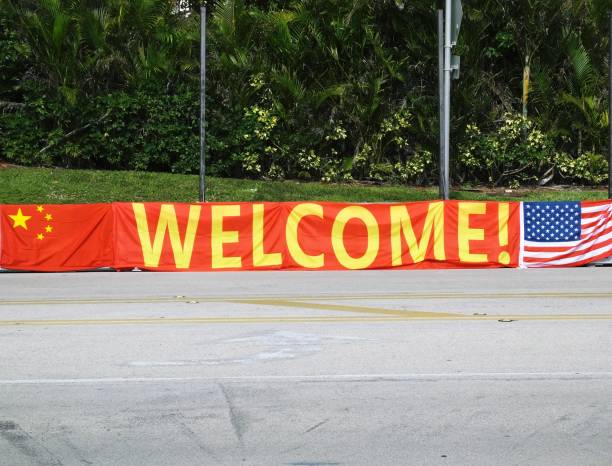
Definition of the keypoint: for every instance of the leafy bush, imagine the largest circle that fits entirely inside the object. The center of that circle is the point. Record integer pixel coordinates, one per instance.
(515, 152)
(119, 130)
(519, 152)
(589, 168)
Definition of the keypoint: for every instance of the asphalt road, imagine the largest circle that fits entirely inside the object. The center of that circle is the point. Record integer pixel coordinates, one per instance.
(484, 367)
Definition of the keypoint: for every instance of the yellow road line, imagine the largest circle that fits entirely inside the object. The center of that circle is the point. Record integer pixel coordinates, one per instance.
(437, 296)
(321, 297)
(47, 302)
(293, 319)
(343, 308)
(179, 320)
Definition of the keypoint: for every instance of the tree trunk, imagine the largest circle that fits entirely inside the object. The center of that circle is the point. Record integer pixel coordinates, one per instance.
(526, 76)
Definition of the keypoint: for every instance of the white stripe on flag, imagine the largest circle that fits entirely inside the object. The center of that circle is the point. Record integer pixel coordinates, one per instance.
(602, 229)
(597, 208)
(582, 247)
(595, 254)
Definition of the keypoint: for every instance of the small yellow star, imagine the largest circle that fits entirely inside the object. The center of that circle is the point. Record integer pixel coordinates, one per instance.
(39, 208)
(48, 228)
(40, 236)
(48, 217)
(19, 220)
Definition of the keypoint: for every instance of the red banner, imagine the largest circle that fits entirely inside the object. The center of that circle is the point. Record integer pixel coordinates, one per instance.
(260, 236)
(317, 236)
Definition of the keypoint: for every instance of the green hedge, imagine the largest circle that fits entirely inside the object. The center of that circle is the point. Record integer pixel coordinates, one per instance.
(325, 90)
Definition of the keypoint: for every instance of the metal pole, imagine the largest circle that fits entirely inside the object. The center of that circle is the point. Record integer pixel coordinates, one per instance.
(202, 103)
(447, 99)
(442, 165)
(609, 104)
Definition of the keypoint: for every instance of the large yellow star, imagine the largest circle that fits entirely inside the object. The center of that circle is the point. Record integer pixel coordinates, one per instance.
(20, 220)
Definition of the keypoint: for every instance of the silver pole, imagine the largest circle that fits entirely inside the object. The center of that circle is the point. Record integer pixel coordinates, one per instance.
(202, 103)
(442, 165)
(609, 104)
(447, 99)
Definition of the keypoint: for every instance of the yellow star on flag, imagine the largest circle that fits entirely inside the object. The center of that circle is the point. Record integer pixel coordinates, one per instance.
(20, 220)
(48, 228)
(48, 217)
(39, 208)
(40, 236)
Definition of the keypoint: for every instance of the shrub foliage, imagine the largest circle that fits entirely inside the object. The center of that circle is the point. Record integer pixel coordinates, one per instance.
(308, 89)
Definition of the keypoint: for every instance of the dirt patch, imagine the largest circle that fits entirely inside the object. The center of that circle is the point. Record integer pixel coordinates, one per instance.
(522, 191)
(7, 165)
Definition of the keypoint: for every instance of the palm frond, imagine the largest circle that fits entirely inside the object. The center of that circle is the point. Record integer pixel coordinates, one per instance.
(224, 17)
(288, 82)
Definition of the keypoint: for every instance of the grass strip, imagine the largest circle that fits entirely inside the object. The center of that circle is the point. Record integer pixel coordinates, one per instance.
(20, 185)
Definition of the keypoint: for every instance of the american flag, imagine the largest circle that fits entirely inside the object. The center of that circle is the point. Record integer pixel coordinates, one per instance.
(565, 233)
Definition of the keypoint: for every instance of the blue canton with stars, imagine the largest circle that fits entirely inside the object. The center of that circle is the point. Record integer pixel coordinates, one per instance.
(549, 222)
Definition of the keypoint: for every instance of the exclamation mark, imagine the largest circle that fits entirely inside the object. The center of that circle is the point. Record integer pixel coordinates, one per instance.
(503, 214)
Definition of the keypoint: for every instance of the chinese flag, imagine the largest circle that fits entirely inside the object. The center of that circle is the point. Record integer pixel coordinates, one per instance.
(53, 237)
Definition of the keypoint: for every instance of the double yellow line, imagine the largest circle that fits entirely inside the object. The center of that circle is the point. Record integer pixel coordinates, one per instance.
(409, 316)
(319, 297)
(360, 313)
